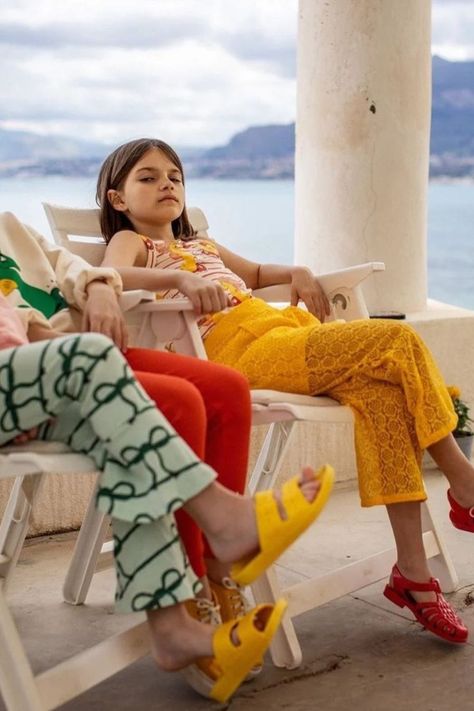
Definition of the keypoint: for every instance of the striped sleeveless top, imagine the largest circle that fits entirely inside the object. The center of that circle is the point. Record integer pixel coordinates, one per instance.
(198, 256)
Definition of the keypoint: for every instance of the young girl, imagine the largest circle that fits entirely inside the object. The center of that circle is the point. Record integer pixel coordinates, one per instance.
(78, 389)
(381, 369)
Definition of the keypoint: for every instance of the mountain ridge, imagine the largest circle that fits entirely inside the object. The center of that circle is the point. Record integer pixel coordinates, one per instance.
(265, 151)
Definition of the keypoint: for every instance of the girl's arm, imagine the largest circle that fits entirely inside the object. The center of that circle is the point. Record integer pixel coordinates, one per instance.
(304, 285)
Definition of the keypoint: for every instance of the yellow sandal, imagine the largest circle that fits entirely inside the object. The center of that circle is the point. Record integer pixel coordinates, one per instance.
(276, 534)
(232, 662)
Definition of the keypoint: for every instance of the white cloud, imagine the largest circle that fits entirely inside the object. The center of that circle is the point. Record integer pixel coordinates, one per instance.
(453, 29)
(191, 73)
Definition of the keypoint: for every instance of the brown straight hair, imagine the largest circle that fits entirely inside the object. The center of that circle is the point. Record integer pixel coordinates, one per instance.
(113, 173)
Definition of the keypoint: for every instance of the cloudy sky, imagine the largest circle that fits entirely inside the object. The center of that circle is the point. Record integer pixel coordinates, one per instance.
(192, 73)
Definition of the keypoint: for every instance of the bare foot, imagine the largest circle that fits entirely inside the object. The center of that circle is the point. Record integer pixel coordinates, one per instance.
(232, 530)
(177, 640)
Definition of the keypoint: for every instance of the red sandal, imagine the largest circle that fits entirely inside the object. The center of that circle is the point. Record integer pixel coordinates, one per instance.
(460, 517)
(437, 617)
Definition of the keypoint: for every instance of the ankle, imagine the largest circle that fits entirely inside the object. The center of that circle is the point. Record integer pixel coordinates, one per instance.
(176, 638)
(416, 571)
(213, 508)
(463, 494)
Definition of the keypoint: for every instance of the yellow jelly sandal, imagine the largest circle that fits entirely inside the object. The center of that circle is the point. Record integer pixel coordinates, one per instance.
(276, 534)
(238, 646)
(233, 604)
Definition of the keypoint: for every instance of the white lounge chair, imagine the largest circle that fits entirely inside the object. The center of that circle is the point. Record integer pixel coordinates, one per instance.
(20, 688)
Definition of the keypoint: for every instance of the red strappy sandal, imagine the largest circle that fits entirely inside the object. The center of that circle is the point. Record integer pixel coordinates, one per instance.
(460, 517)
(437, 617)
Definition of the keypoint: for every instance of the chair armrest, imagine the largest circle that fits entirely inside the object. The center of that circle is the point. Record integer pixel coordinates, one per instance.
(350, 277)
(129, 299)
(169, 324)
(342, 287)
(163, 305)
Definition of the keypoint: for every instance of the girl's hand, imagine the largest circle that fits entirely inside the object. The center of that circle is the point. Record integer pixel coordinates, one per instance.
(206, 296)
(102, 314)
(306, 287)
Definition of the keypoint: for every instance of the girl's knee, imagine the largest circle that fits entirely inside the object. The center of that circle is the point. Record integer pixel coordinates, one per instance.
(402, 331)
(236, 388)
(183, 404)
(102, 348)
(95, 341)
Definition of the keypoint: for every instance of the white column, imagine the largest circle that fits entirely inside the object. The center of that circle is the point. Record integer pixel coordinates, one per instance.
(362, 142)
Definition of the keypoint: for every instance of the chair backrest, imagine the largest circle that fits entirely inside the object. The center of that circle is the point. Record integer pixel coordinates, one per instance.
(78, 229)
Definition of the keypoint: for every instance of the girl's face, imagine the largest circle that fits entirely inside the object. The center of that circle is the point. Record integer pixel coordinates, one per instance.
(153, 191)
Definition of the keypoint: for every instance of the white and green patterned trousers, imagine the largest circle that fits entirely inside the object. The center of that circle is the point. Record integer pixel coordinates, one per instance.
(82, 392)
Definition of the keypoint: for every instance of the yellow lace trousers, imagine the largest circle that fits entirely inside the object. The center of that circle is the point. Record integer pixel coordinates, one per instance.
(380, 368)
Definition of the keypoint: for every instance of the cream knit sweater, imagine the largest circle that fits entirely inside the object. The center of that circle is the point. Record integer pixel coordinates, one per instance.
(44, 279)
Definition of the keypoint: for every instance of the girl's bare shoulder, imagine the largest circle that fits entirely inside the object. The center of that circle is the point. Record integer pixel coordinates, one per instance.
(123, 235)
(127, 247)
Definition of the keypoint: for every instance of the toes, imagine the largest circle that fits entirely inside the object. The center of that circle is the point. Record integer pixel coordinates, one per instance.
(308, 484)
(307, 475)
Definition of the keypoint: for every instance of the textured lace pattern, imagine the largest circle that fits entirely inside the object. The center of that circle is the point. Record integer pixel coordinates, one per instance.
(381, 369)
(198, 256)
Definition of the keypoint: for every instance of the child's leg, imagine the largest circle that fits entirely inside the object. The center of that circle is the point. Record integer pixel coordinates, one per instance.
(147, 472)
(226, 398)
(152, 568)
(387, 450)
(84, 382)
(456, 467)
(384, 372)
(181, 404)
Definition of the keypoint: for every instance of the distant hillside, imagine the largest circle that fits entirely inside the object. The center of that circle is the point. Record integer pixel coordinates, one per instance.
(258, 152)
(268, 151)
(262, 151)
(21, 146)
(258, 142)
(452, 129)
(452, 120)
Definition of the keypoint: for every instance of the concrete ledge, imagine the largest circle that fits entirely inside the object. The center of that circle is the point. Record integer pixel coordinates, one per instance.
(449, 333)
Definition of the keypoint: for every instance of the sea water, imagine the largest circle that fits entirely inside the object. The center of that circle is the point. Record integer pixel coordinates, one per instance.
(255, 219)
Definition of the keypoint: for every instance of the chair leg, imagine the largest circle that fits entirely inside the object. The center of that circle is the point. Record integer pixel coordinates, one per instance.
(271, 456)
(17, 683)
(441, 565)
(15, 521)
(88, 547)
(285, 648)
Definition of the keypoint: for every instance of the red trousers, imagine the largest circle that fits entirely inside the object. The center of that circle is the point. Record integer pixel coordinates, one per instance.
(209, 406)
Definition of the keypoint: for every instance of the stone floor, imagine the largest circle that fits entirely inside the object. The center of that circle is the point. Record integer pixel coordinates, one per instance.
(360, 652)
